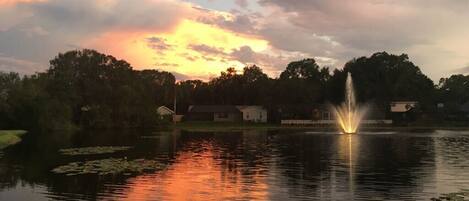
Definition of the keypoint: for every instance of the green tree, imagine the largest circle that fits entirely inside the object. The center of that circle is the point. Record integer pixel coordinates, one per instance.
(383, 78)
(302, 82)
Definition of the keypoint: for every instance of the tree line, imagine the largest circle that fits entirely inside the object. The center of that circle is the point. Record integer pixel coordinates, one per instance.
(88, 89)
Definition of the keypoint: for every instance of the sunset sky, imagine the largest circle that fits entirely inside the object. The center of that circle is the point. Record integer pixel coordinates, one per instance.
(196, 39)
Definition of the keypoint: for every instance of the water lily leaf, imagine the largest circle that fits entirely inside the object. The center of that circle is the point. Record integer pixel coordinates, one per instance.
(93, 150)
(462, 195)
(110, 166)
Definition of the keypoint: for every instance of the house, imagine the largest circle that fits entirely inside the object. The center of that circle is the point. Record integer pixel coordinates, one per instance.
(403, 112)
(216, 113)
(322, 112)
(403, 106)
(253, 113)
(226, 113)
(165, 113)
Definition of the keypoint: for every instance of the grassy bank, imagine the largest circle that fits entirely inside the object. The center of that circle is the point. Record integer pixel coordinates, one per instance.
(236, 126)
(223, 126)
(10, 137)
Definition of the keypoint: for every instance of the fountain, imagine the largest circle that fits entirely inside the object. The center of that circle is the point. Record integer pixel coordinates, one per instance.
(348, 114)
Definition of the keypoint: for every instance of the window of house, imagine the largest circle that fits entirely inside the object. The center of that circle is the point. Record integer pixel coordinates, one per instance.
(326, 116)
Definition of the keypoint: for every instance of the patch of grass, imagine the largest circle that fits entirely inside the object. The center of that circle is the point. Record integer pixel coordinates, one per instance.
(92, 150)
(10, 137)
(110, 166)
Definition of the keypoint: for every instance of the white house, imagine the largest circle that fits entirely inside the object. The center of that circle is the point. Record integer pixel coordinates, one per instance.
(402, 106)
(164, 111)
(253, 113)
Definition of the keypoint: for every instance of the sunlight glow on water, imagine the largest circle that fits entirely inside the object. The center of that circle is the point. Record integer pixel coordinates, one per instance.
(251, 165)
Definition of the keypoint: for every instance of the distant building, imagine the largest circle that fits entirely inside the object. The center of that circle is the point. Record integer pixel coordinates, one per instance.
(322, 112)
(165, 113)
(253, 113)
(403, 106)
(226, 113)
(404, 112)
(216, 113)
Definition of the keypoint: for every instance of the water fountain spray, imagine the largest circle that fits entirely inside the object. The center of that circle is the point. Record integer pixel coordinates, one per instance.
(349, 114)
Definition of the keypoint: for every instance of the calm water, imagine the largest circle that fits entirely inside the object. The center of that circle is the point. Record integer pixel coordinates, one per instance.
(247, 165)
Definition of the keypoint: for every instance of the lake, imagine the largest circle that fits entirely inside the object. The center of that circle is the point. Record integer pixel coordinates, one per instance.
(243, 165)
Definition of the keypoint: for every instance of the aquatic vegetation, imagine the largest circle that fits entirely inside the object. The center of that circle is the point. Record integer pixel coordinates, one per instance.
(10, 137)
(110, 166)
(93, 150)
(462, 195)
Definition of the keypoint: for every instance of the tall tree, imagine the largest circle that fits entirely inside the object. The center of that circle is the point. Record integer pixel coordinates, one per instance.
(302, 82)
(383, 78)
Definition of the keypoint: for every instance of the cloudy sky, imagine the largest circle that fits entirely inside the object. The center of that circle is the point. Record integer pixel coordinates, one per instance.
(200, 38)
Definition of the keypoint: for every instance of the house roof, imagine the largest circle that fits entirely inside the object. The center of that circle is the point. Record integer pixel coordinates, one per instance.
(404, 102)
(213, 108)
(243, 107)
(165, 109)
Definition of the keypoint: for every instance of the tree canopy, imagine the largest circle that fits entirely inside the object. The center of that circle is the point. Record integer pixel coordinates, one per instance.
(85, 88)
(383, 78)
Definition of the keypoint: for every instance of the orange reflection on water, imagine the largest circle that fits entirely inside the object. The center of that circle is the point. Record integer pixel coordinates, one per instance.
(198, 176)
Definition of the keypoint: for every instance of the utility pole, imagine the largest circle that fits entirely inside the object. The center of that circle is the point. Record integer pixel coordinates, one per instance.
(174, 104)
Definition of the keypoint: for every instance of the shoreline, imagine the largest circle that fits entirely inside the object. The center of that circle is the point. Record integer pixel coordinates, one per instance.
(229, 126)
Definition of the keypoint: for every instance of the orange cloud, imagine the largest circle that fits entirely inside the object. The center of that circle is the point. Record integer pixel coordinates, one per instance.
(174, 50)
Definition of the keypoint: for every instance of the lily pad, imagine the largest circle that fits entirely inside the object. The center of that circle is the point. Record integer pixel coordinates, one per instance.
(110, 166)
(92, 150)
(462, 195)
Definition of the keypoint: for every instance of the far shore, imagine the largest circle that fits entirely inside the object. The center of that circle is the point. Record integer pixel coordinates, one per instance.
(234, 126)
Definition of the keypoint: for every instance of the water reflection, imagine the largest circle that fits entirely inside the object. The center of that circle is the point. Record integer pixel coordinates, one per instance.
(247, 165)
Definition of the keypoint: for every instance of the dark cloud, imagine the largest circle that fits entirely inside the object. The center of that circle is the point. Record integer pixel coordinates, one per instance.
(181, 76)
(242, 3)
(23, 67)
(90, 16)
(237, 22)
(245, 55)
(37, 31)
(347, 29)
(205, 49)
(158, 44)
(273, 64)
(332, 30)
